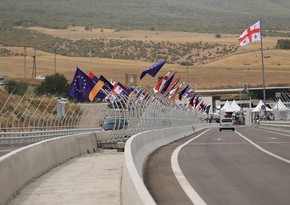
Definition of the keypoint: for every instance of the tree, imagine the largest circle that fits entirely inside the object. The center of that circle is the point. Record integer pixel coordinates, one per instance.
(218, 35)
(56, 84)
(283, 44)
(18, 88)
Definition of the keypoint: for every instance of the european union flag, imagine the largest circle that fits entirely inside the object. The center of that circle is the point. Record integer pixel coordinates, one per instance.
(153, 70)
(81, 86)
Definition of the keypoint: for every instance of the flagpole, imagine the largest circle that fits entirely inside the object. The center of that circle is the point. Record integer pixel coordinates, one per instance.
(262, 55)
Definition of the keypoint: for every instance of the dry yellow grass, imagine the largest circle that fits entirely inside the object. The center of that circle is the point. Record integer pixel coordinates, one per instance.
(227, 72)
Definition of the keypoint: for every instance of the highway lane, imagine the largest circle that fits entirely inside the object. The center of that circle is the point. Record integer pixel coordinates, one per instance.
(250, 166)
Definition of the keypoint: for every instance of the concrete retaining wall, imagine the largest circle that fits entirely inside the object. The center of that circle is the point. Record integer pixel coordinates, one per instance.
(22, 166)
(137, 150)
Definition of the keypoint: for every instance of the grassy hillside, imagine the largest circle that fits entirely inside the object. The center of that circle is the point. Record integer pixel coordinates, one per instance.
(190, 53)
(182, 15)
(225, 72)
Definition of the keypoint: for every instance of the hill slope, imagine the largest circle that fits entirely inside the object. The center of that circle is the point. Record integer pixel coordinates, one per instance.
(183, 15)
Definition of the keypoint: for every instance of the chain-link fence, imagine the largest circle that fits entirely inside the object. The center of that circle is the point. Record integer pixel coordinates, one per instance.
(126, 115)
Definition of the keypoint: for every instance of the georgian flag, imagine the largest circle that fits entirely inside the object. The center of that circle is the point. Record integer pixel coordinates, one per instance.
(253, 33)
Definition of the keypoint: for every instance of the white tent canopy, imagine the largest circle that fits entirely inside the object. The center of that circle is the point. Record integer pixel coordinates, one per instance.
(228, 108)
(235, 105)
(280, 106)
(280, 111)
(261, 107)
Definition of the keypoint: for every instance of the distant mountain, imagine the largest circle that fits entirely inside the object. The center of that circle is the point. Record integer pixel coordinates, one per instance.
(183, 15)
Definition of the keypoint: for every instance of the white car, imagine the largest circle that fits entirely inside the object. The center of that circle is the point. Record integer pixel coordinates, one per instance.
(227, 124)
(40, 77)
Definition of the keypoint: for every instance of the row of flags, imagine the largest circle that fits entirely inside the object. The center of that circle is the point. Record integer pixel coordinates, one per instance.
(89, 87)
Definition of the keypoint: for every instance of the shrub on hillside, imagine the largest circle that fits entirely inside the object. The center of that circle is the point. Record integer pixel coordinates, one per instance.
(18, 88)
(283, 44)
(56, 84)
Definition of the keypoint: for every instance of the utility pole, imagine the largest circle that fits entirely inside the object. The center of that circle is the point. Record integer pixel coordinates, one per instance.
(24, 62)
(55, 61)
(34, 64)
(187, 71)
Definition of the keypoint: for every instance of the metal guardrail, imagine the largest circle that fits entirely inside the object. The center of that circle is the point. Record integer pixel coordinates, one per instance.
(142, 110)
(29, 137)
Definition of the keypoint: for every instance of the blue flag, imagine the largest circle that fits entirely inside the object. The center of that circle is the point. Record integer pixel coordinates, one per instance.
(81, 86)
(153, 70)
(181, 92)
(125, 90)
(101, 94)
(93, 77)
(106, 88)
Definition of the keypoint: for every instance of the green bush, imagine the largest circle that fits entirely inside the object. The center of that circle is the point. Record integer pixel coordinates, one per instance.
(56, 84)
(18, 88)
(283, 44)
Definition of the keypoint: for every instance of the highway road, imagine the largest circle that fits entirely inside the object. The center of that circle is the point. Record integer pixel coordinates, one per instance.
(245, 167)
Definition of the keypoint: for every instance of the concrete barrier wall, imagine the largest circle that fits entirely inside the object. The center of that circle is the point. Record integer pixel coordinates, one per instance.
(22, 166)
(137, 150)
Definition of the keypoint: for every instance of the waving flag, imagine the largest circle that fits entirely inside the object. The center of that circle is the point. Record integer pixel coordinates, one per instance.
(174, 90)
(103, 92)
(181, 92)
(189, 93)
(253, 33)
(116, 91)
(81, 86)
(172, 86)
(191, 101)
(160, 84)
(106, 88)
(93, 77)
(207, 109)
(201, 106)
(126, 91)
(153, 70)
(167, 83)
(196, 101)
(96, 89)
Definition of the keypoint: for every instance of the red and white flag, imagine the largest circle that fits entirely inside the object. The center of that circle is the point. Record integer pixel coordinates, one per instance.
(161, 83)
(253, 33)
(116, 91)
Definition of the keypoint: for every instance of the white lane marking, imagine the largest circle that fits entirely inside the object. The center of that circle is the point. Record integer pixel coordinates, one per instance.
(263, 150)
(185, 185)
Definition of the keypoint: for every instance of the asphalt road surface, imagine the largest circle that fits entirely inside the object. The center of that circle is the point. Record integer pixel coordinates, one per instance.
(246, 167)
